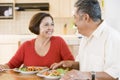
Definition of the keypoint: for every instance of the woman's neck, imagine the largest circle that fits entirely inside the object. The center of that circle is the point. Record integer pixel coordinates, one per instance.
(42, 41)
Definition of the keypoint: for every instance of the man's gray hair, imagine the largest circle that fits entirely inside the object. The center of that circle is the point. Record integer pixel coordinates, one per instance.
(90, 7)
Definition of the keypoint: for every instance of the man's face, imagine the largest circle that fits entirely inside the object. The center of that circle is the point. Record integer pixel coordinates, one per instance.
(79, 21)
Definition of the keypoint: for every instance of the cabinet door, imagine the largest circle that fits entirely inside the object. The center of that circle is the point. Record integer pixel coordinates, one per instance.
(65, 8)
(72, 3)
(31, 1)
(61, 8)
(7, 51)
(54, 8)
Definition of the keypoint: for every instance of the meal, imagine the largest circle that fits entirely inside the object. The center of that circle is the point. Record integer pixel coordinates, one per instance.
(32, 68)
(42, 71)
(53, 73)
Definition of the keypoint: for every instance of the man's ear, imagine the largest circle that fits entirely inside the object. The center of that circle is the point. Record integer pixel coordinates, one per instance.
(86, 17)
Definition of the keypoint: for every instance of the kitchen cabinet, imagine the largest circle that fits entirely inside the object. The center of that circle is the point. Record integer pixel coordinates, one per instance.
(61, 8)
(7, 50)
(58, 8)
(31, 1)
(6, 9)
(65, 8)
(54, 8)
(6, 1)
(8, 47)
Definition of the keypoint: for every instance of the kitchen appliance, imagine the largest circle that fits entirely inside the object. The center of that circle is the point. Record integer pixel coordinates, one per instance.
(32, 6)
(6, 10)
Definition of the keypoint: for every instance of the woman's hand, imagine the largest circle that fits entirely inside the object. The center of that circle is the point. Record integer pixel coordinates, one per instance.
(76, 75)
(63, 64)
(66, 64)
(2, 67)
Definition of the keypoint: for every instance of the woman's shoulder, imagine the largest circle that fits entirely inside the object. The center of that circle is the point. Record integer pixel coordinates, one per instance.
(28, 42)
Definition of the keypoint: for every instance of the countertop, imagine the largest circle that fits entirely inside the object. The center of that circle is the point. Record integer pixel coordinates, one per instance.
(70, 39)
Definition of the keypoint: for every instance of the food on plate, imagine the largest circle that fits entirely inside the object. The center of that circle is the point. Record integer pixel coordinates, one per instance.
(32, 68)
(46, 73)
(57, 72)
(62, 71)
(51, 73)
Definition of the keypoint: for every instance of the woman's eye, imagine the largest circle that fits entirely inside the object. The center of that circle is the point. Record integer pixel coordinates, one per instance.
(47, 24)
(52, 24)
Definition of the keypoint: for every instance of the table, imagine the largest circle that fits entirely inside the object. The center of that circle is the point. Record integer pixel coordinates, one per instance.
(11, 75)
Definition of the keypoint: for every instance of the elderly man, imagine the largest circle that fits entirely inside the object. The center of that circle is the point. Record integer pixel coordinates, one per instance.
(99, 49)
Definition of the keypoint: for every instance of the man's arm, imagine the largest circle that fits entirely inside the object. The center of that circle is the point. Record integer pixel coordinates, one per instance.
(75, 65)
(103, 76)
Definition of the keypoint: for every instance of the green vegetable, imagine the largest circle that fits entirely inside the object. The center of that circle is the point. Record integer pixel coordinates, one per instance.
(22, 69)
(62, 71)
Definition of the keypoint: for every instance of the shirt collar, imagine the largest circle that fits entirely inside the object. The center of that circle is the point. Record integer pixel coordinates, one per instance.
(99, 30)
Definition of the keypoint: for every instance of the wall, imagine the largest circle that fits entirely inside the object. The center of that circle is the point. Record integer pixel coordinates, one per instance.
(19, 25)
(112, 13)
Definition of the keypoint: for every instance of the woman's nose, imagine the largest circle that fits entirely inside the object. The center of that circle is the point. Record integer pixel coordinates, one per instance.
(50, 27)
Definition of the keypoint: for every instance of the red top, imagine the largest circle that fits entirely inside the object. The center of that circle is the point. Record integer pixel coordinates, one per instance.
(27, 55)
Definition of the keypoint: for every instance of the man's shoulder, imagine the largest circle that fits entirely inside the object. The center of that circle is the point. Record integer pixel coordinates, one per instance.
(112, 35)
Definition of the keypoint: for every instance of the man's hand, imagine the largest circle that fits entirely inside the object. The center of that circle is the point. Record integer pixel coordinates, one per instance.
(76, 75)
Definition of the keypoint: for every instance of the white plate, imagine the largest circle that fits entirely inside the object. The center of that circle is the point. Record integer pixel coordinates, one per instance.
(52, 77)
(43, 70)
(28, 72)
(48, 77)
(16, 70)
(40, 75)
(31, 72)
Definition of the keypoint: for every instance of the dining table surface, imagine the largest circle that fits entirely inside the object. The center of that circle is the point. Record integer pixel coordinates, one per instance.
(12, 75)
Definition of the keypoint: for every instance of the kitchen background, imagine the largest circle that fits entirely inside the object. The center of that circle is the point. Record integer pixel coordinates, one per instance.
(61, 12)
(14, 31)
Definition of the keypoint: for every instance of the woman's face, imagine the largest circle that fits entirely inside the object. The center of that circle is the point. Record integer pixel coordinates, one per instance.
(46, 27)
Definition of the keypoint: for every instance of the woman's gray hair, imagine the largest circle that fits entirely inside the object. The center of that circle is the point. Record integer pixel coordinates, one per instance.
(90, 7)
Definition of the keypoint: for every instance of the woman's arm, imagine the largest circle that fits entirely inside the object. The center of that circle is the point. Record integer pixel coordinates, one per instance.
(66, 64)
(5, 66)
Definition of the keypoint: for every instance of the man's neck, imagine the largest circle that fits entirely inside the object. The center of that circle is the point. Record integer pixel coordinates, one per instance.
(92, 28)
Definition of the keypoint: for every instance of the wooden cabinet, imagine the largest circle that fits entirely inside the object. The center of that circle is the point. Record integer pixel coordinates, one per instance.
(7, 50)
(31, 1)
(58, 8)
(65, 8)
(54, 8)
(6, 1)
(6, 9)
(61, 8)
